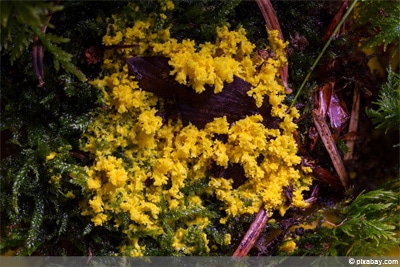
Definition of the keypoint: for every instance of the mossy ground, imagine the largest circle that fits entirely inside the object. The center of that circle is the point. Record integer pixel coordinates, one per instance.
(37, 192)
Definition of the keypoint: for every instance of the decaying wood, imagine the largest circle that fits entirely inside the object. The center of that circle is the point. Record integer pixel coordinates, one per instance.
(252, 234)
(233, 102)
(152, 74)
(94, 54)
(330, 146)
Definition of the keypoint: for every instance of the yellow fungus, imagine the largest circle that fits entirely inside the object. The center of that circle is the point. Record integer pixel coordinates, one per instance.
(288, 246)
(51, 156)
(55, 179)
(69, 194)
(142, 165)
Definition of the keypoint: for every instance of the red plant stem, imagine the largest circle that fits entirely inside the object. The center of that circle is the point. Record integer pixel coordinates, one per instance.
(272, 22)
(252, 234)
(269, 16)
(37, 53)
(37, 60)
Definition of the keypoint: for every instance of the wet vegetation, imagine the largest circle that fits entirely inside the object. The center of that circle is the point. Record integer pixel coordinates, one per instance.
(41, 200)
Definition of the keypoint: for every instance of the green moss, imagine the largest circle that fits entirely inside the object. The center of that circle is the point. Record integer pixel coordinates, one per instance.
(37, 194)
(366, 226)
(387, 116)
(382, 21)
(36, 212)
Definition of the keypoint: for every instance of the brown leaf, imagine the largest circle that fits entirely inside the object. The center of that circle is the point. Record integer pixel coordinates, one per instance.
(322, 98)
(328, 102)
(338, 114)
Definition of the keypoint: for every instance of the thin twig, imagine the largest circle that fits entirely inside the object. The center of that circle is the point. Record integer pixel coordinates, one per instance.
(252, 234)
(323, 51)
(37, 60)
(272, 22)
(330, 146)
(37, 52)
(355, 111)
(270, 17)
(335, 225)
(335, 20)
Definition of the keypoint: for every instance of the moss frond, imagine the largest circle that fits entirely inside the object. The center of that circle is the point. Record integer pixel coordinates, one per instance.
(387, 116)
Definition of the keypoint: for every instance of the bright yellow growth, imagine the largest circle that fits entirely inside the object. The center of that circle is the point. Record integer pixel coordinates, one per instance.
(51, 156)
(288, 246)
(141, 165)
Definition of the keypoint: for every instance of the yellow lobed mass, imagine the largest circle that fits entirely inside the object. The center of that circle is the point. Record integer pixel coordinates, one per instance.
(141, 165)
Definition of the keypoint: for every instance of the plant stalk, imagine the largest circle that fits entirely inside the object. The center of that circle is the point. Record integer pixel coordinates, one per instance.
(323, 51)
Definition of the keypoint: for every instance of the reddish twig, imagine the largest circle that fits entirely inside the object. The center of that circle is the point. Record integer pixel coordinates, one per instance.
(37, 60)
(37, 52)
(335, 21)
(90, 256)
(272, 22)
(269, 16)
(252, 234)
